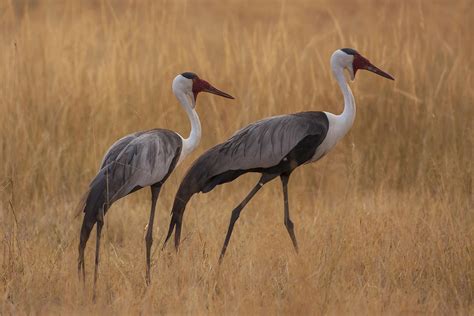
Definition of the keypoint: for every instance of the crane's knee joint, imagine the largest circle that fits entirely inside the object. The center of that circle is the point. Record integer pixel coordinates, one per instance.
(149, 238)
(236, 213)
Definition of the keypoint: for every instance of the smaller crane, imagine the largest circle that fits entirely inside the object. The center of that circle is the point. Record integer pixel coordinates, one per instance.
(143, 159)
(273, 147)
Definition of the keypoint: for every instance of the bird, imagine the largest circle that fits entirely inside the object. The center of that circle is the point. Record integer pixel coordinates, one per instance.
(273, 147)
(139, 160)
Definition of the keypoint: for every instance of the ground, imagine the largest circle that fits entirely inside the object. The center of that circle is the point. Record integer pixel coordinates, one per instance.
(384, 222)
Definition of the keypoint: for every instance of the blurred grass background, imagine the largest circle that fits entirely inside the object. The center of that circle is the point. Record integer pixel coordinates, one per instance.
(385, 221)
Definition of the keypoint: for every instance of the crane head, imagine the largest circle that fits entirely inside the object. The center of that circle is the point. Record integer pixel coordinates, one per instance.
(355, 61)
(192, 84)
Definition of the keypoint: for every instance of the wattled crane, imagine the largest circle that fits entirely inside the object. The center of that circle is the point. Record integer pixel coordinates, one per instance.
(140, 160)
(273, 147)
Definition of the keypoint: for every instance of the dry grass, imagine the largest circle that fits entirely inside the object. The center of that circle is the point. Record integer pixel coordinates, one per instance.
(385, 222)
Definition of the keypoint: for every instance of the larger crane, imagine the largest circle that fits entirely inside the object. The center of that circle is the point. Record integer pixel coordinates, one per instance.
(273, 147)
(140, 160)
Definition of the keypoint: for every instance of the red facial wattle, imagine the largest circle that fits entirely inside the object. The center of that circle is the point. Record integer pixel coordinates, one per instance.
(359, 63)
(199, 85)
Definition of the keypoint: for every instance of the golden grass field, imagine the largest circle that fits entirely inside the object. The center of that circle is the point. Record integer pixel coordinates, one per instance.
(385, 222)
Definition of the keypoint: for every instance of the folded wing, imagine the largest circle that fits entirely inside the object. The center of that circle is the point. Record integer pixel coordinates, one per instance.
(136, 161)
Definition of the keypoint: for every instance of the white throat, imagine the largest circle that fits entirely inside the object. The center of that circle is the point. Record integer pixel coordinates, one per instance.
(347, 117)
(190, 143)
(340, 124)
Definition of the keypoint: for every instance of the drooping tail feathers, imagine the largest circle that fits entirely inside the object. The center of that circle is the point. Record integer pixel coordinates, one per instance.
(93, 202)
(193, 182)
(201, 177)
(181, 200)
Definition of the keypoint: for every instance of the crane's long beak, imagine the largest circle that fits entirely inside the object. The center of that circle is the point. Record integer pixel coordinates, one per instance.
(215, 91)
(377, 71)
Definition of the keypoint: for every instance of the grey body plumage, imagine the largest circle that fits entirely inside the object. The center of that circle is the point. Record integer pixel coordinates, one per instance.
(260, 145)
(135, 161)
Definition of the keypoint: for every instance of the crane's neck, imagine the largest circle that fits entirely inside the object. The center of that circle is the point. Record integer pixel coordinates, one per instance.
(190, 143)
(346, 118)
(340, 124)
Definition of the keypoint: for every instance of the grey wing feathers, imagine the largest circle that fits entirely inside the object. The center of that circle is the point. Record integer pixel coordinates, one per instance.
(139, 160)
(265, 143)
(117, 148)
(262, 144)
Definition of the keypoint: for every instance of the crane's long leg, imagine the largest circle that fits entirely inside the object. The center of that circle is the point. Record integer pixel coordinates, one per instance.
(177, 234)
(100, 224)
(236, 212)
(155, 192)
(87, 225)
(288, 223)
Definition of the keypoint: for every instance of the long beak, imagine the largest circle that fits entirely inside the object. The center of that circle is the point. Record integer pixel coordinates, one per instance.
(215, 91)
(377, 71)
